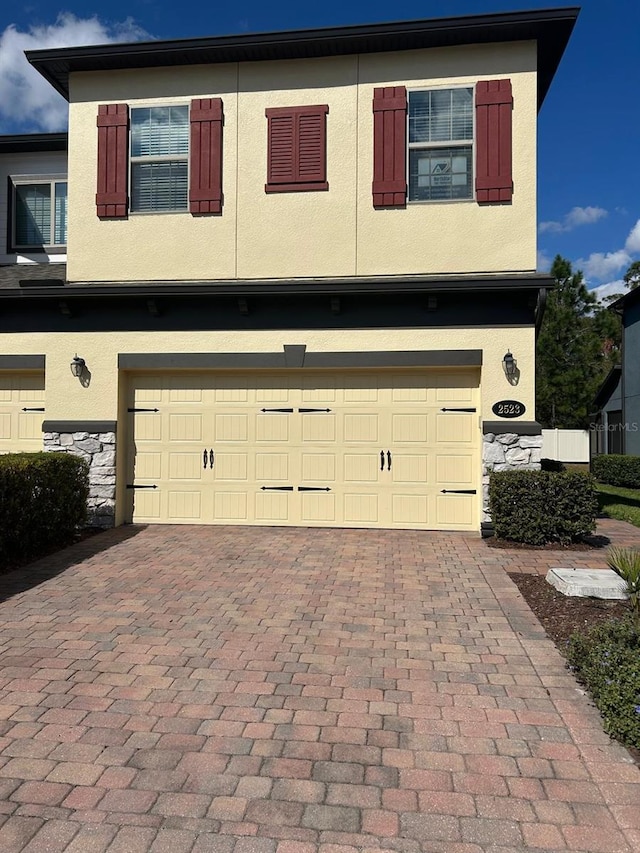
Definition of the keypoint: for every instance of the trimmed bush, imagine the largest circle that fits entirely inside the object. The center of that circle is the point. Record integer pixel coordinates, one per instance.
(617, 470)
(605, 659)
(542, 507)
(43, 501)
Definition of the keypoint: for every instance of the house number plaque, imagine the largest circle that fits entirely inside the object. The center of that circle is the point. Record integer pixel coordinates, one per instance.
(508, 409)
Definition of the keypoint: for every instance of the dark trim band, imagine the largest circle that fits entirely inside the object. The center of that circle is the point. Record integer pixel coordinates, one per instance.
(79, 426)
(22, 362)
(517, 427)
(287, 359)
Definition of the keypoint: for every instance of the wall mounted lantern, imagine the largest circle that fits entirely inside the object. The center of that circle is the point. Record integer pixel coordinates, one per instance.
(77, 366)
(510, 365)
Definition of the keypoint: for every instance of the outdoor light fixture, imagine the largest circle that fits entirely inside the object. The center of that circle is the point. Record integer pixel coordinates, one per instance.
(510, 365)
(77, 366)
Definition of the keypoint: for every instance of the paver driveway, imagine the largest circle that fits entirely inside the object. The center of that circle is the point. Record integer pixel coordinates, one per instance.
(256, 690)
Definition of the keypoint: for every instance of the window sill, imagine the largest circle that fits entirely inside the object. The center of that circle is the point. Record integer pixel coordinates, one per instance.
(318, 186)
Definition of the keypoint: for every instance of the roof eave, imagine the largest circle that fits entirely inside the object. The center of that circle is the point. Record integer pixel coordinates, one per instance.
(551, 27)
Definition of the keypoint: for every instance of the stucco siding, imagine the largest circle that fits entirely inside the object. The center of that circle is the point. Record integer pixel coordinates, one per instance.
(304, 234)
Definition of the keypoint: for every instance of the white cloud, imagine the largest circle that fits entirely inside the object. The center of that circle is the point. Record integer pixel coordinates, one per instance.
(577, 216)
(603, 265)
(609, 289)
(28, 102)
(633, 240)
(544, 261)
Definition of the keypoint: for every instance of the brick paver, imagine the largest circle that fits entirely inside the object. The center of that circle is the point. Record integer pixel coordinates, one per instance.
(246, 690)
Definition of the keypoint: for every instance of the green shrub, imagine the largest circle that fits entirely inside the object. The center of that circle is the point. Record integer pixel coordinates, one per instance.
(617, 470)
(541, 507)
(43, 500)
(625, 562)
(605, 659)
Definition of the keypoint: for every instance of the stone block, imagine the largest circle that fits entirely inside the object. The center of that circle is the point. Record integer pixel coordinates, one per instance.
(516, 456)
(536, 454)
(89, 445)
(107, 437)
(507, 438)
(103, 491)
(104, 458)
(80, 436)
(531, 441)
(492, 453)
(587, 583)
(51, 436)
(98, 479)
(66, 439)
(489, 437)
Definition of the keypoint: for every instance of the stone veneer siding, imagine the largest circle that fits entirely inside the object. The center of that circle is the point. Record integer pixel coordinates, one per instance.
(507, 451)
(99, 450)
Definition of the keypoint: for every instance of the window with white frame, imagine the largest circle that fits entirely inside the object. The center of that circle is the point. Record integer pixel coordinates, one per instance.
(39, 212)
(159, 159)
(440, 144)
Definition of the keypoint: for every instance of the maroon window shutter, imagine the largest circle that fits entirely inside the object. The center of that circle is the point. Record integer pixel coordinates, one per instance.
(296, 149)
(494, 180)
(113, 152)
(390, 146)
(205, 180)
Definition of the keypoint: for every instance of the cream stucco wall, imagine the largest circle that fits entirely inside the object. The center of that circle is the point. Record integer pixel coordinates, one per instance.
(67, 399)
(285, 235)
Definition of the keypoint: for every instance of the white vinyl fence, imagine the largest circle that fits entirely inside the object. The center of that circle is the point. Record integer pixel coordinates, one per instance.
(565, 445)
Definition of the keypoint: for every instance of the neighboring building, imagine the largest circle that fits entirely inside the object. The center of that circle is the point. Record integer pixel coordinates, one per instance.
(296, 264)
(616, 426)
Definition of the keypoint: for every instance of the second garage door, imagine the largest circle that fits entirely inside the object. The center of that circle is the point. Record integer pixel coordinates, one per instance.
(338, 450)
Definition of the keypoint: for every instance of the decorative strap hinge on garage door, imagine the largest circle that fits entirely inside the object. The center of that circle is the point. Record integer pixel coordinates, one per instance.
(276, 488)
(458, 492)
(306, 411)
(34, 410)
(286, 411)
(131, 486)
(143, 410)
(457, 410)
(314, 489)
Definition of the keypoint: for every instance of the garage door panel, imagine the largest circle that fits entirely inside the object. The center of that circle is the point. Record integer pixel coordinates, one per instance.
(455, 428)
(21, 431)
(319, 428)
(231, 427)
(455, 511)
(316, 468)
(272, 466)
(231, 466)
(361, 508)
(230, 506)
(185, 506)
(185, 427)
(410, 468)
(272, 427)
(272, 507)
(318, 507)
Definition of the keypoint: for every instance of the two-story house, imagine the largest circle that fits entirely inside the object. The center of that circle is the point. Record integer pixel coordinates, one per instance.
(301, 283)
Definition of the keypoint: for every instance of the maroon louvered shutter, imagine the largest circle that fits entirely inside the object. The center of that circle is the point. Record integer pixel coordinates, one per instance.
(297, 149)
(390, 146)
(494, 180)
(113, 149)
(205, 180)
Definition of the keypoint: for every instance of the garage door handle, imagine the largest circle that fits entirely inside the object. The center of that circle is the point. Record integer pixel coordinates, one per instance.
(388, 460)
(458, 492)
(205, 456)
(382, 460)
(212, 458)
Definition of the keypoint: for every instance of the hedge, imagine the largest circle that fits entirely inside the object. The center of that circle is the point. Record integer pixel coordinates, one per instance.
(542, 507)
(43, 501)
(617, 470)
(605, 660)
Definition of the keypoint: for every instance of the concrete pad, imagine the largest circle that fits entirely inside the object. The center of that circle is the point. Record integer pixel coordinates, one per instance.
(587, 583)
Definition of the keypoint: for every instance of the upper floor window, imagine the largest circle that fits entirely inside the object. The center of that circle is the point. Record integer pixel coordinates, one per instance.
(159, 159)
(39, 213)
(440, 144)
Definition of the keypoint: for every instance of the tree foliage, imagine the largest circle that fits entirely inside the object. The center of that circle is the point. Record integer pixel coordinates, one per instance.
(632, 276)
(578, 344)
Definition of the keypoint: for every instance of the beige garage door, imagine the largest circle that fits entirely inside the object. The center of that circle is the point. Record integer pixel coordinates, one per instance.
(314, 449)
(21, 411)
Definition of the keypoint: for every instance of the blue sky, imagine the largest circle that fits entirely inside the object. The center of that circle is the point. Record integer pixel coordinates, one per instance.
(588, 167)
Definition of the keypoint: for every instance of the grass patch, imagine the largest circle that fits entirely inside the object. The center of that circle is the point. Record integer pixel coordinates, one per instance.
(616, 502)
